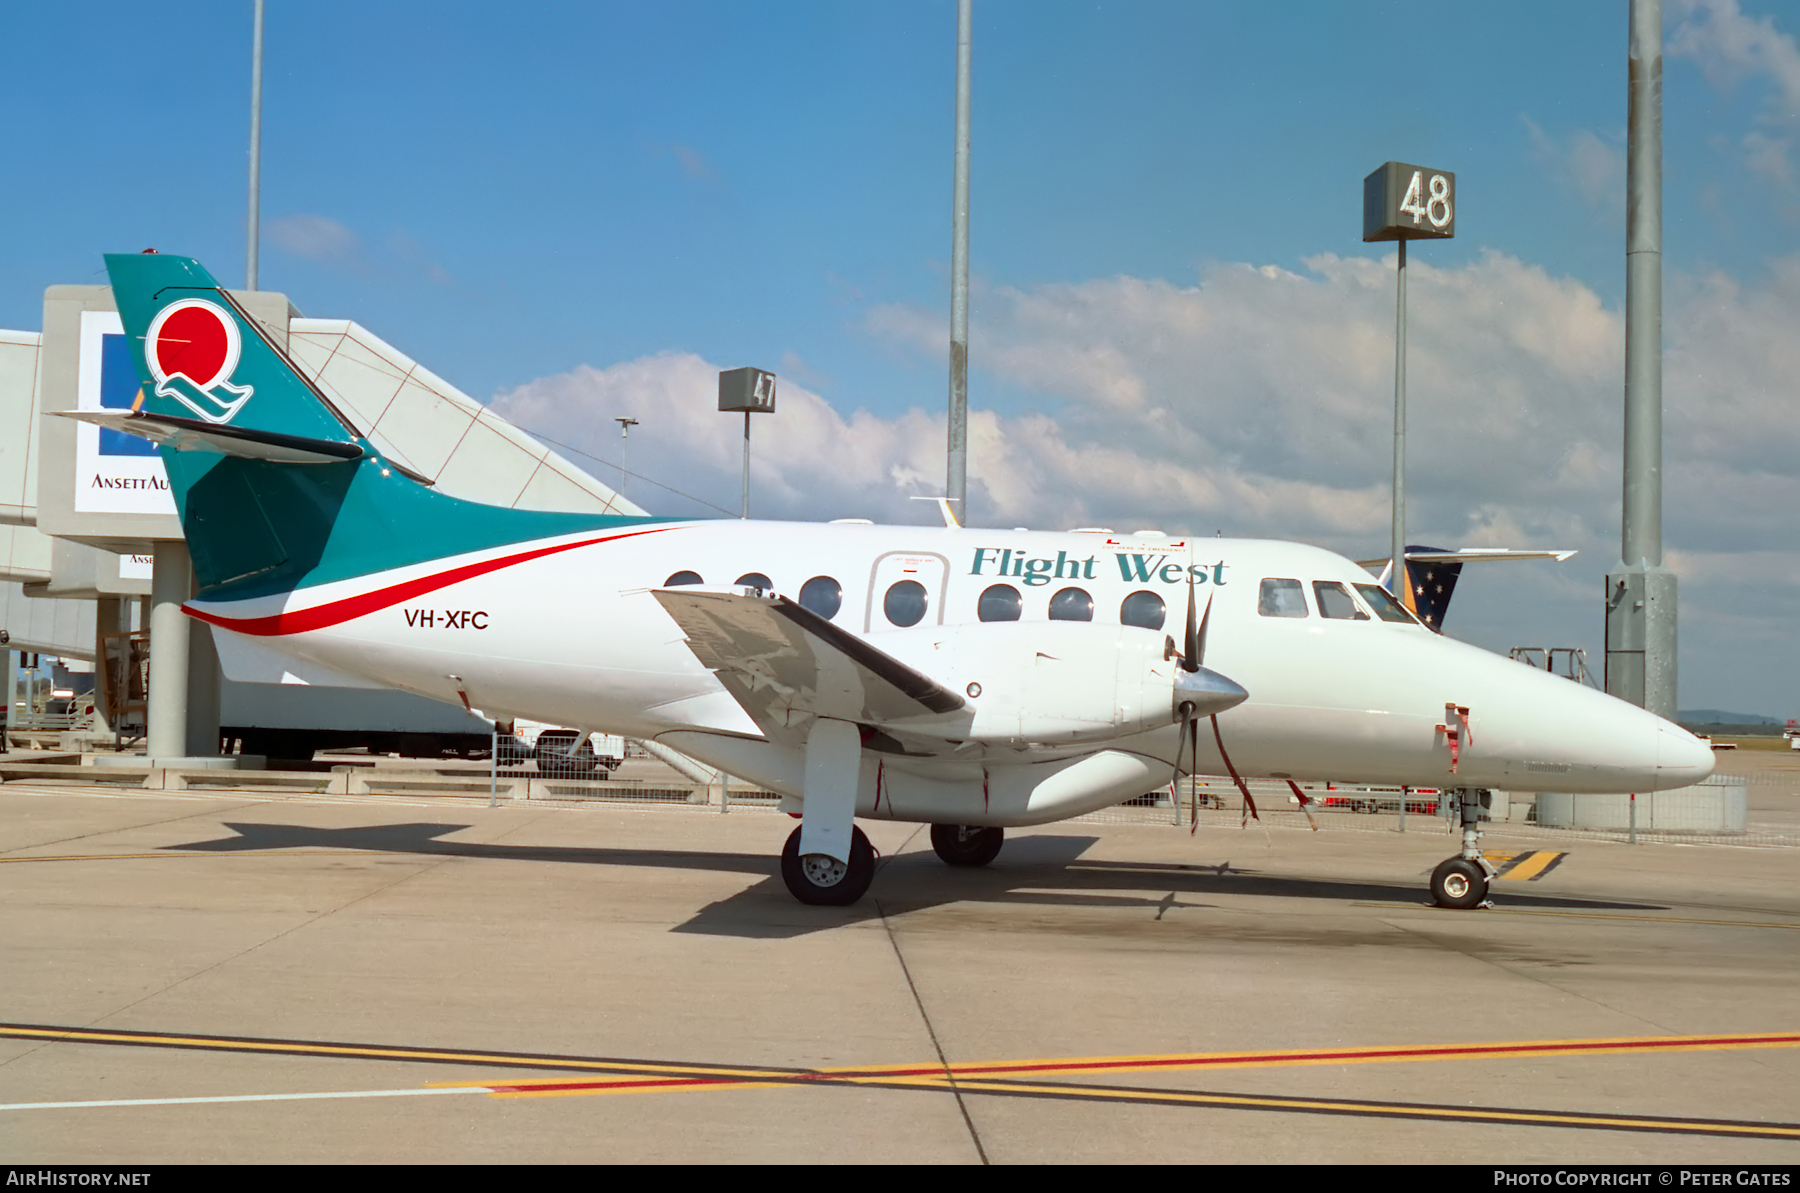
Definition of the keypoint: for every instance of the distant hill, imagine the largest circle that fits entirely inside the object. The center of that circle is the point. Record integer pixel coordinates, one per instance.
(1718, 716)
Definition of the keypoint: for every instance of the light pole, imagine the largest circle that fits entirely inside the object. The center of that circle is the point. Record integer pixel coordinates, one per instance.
(749, 391)
(625, 425)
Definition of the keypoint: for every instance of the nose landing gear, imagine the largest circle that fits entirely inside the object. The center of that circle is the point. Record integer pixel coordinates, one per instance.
(1462, 881)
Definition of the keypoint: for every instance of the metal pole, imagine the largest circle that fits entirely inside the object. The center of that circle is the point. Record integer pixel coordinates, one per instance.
(1400, 581)
(1402, 786)
(255, 146)
(1641, 594)
(746, 513)
(493, 762)
(957, 479)
(1633, 837)
(10, 688)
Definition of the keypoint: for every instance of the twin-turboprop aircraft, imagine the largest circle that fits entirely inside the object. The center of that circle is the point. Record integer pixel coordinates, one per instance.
(969, 679)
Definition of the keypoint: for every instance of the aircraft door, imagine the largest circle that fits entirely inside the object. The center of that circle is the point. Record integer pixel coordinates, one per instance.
(906, 589)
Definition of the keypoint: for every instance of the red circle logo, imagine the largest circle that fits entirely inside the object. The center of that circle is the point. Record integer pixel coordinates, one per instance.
(194, 339)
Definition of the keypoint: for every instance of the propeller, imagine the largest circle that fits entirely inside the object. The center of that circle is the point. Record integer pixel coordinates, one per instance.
(1193, 653)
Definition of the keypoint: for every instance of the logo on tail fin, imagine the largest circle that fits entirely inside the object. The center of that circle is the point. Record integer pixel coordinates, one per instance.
(192, 349)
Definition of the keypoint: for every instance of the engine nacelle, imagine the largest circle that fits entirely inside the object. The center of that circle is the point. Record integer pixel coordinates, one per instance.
(1046, 681)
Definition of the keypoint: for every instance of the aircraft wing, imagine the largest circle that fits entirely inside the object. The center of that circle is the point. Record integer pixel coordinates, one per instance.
(783, 662)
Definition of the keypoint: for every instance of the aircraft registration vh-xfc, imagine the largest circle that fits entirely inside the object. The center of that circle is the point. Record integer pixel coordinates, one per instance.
(969, 679)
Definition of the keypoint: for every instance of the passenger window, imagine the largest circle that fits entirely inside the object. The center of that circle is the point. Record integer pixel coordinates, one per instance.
(905, 603)
(999, 602)
(822, 595)
(681, 578)
(1336, 602)
(754, 580)
(1386, 605)
(1281, 598)
(1143, 609)
(1072, 604)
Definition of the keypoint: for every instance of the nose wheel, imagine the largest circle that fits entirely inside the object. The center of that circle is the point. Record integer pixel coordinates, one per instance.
(967, 844)
(1462, 882)
(823, 880)
(1459, 883)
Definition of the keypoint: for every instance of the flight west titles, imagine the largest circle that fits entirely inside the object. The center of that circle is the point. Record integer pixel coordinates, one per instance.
(1133, 569)
(447, 619)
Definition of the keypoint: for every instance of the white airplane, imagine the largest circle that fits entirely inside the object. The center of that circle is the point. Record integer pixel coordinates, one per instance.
(970, 679)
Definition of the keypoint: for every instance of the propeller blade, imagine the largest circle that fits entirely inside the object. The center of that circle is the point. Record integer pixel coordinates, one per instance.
(1200, 638)
(1191, 644)
(1193, 730)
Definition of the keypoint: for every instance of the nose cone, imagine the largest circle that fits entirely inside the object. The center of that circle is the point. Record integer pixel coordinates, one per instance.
(1681, 758)
(1209, 692)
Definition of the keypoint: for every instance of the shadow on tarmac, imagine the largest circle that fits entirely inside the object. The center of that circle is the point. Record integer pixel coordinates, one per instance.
(1032, 871)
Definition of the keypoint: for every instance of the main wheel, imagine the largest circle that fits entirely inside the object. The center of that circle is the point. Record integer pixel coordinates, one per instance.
(966, 844)
(1459, 883)
(823, 880)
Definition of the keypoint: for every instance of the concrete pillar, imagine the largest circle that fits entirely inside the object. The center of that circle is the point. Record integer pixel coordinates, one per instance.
(170, 650)
(108, 618)
(9, 689)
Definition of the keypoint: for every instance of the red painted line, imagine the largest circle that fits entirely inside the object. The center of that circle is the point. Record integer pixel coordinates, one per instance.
(332, 613)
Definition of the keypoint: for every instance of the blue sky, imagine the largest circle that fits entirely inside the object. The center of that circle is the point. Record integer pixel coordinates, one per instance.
(514, 196)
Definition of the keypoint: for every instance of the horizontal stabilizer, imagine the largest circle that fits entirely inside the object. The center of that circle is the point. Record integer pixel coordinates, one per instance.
(779, 659)
(1467, 555)
(193, 435)
(1432, 573)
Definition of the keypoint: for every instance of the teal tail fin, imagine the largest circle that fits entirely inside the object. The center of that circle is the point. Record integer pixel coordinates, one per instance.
(276, 488)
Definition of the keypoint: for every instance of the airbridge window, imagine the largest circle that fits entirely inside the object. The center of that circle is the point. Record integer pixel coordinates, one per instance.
(1336, 602)
(680, 579)
(822, 595)
(1281, 598)
(1386, 605)
(1143, 609)
(1072, 604)
(999, 602)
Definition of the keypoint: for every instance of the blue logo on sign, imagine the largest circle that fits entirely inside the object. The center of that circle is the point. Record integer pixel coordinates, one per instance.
(118, 390)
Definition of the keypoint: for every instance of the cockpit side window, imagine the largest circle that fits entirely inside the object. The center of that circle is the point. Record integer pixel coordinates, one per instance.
(1281, 598)
(1386, 605)
(1336, 602)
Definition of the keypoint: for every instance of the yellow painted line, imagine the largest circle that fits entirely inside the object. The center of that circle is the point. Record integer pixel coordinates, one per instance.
(1595, 915)
(1489, 1114)
(1532, 865)
(1165, 1062)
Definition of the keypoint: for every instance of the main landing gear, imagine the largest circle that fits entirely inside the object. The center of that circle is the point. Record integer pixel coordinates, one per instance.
(1462, 881)
(821, 879)
(967, 844)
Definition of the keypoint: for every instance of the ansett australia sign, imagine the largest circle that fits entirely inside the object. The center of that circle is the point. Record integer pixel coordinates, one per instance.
(1147, 568)
(115, 473)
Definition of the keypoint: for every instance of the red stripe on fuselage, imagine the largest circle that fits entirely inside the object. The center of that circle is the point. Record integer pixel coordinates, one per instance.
(332, 613)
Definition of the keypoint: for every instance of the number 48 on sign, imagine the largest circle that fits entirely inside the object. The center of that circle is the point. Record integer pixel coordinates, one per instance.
(1406, 202)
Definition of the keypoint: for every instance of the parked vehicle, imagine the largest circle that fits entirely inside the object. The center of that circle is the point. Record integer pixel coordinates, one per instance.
(559, 751)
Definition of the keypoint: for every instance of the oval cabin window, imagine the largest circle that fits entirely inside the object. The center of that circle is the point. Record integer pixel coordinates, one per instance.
(905, 603)
(1072, 604)
(1000, 602)
(822, 595)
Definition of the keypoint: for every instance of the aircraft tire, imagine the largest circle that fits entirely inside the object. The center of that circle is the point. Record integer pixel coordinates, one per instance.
(842, 885)
(966, 844)
(1459, 883)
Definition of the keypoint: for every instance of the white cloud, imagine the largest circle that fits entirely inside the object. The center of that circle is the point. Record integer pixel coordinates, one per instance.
(316, 238)
(1730, 47)
(1584, 163)
(1259, 402)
